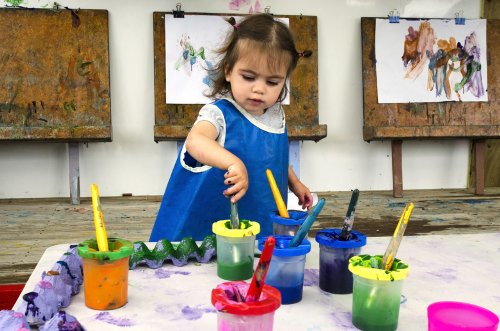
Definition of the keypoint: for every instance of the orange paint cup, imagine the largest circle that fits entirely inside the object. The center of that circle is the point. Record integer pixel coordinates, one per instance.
(105, 274)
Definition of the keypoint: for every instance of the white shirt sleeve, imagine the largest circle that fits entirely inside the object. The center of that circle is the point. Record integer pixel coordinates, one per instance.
(213, 115)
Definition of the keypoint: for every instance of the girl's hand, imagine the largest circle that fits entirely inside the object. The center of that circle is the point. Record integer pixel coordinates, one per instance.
(237, 177)
(303, 193)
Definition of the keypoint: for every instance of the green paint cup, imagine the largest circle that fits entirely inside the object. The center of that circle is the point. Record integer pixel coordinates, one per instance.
(235, 249)
(376, 294)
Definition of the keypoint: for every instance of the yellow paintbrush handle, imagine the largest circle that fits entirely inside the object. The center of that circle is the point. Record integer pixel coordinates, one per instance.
(277, 195)
(100, 230)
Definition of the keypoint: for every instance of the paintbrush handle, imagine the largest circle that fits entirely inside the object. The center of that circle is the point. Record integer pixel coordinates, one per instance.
(349, 217)
(100, 230)
(260, 273)
(282, 210)
(235, 220)
(393, 247)
(304, 228)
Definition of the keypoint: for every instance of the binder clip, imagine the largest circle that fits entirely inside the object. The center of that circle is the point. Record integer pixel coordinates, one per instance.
(459, 19)
(178, 13)
(394, 16)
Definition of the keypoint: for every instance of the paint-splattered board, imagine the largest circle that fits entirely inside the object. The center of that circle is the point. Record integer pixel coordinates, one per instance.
(54, 75)
(173, 121)
(429, 120)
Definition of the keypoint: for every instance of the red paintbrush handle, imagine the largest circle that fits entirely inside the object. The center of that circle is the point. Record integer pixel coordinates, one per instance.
(260, 273)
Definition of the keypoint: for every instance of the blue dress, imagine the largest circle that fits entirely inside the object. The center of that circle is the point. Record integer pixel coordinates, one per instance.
(193, 199)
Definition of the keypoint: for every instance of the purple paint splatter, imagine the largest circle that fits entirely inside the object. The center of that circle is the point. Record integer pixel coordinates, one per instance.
(311, 277)
(163, 273)
(193, 313)
(108, 318)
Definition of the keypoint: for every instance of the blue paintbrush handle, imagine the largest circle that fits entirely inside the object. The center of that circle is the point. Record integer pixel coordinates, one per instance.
(304, 228)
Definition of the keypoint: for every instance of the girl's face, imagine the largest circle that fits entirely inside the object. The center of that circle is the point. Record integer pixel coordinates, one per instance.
(254, 85)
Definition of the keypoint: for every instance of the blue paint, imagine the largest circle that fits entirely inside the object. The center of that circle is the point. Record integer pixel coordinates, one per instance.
(290, 294)
(474, 202)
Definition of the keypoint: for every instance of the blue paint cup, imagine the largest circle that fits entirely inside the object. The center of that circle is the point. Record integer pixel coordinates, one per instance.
(286, 271)
(287, 226)
(334, 255)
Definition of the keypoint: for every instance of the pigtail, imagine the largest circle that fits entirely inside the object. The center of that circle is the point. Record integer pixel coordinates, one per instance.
(231, 20)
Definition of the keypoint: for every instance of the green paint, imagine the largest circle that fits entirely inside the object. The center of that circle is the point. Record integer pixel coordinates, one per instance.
(14, 3)
(246, 224)
(236, 271)
(375, 261)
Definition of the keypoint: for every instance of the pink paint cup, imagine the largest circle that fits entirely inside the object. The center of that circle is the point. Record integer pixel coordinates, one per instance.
(233, 314)
(460, 316)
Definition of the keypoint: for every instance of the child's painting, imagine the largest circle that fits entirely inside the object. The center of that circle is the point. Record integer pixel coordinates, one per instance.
(190, 45)
(431, 60)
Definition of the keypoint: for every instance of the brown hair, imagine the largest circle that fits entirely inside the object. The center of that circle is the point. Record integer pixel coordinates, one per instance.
(257, 32)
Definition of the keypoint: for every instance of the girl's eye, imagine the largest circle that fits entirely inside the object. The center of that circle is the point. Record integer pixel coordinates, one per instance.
(246, 77)
(273, 83)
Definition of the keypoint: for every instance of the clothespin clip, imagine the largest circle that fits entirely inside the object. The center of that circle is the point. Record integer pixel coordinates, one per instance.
(459, 18)
(178, 13)
(394, 16)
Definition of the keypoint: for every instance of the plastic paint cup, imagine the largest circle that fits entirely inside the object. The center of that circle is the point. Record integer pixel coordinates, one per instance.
(235, 249)
(234, 315)
(105, 274)
(376, 295)
(286, 271)
(460, 316)
(287, 226)
(334, 255)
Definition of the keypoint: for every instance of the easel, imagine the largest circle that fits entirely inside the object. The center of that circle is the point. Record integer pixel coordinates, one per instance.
(435, 120)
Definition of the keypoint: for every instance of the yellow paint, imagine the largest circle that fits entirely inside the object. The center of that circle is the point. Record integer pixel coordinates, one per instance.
(100, 230)
(277, 195)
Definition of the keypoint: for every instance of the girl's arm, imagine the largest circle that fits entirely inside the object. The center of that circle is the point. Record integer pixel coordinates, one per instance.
(299, 189)
(201, 143)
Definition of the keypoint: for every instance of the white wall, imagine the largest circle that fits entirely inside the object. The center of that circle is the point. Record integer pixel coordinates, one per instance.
(134, 163)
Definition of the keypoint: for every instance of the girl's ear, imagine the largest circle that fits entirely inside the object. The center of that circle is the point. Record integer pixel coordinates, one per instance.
(228, 76)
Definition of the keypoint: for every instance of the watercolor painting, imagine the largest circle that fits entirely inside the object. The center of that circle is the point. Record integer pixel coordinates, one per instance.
(432, 60)
(246, 5)
(190, 45)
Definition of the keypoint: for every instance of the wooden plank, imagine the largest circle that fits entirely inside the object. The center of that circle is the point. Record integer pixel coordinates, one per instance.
(479, 152)
(397, 168)
(54, 75)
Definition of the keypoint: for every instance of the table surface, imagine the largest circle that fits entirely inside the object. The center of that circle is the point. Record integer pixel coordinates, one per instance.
(442, 268)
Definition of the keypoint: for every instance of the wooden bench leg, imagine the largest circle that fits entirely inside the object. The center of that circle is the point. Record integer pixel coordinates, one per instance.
(479, 155)
(397, 168)
(74, 172)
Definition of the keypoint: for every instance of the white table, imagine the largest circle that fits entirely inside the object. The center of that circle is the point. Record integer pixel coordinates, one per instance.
(442, 267)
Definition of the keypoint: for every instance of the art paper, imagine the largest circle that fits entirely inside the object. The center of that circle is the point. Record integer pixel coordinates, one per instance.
(431, 60)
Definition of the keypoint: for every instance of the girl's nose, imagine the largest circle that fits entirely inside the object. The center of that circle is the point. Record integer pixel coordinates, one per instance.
(258, 88)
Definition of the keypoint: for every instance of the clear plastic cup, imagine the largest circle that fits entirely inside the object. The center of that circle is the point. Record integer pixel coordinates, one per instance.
(233, 314)
(105, 274)
(286, 271)
(460, 316)
(334, 255)
(376, 294)
(235, 249)
(287, 226)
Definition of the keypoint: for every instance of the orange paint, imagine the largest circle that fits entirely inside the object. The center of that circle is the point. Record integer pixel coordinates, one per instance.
(105, 283)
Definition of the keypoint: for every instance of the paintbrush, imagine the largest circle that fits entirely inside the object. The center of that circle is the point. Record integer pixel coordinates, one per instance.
(100, 230)
(277, 195)
(304, 228)
(349, 217)
(255, 288)
(392, 249)
(235, 220)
